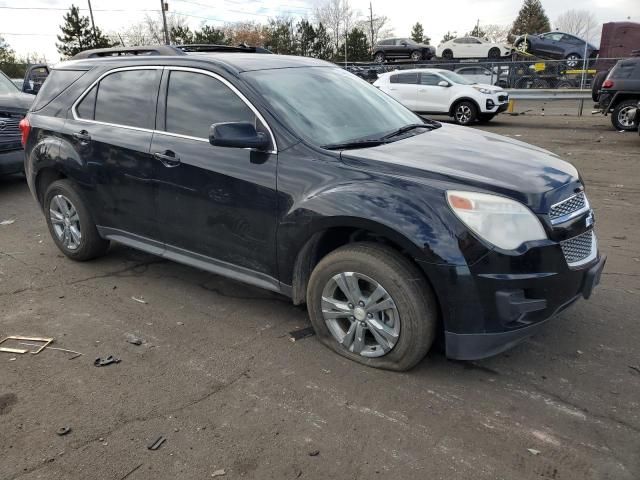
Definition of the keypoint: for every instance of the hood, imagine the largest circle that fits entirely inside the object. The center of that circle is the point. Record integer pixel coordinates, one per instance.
(493, 88)
(462, 155)
(16, 102)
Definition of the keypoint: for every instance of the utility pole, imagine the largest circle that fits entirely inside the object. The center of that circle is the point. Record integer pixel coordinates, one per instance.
(93, 25)
(371, 23)
(163, 7)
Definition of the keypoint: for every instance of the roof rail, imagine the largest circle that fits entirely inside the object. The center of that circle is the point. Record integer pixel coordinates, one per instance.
(165, 50)
(206, 47)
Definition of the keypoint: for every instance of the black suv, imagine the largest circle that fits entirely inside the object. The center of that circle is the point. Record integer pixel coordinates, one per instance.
(398, 48)
(620, 93)
(294, 175)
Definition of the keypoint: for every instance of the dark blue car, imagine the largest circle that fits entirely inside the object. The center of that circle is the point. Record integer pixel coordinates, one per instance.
(556, 45)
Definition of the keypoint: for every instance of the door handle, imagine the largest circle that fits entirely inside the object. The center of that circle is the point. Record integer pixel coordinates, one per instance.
(167, 158)
(83, 136)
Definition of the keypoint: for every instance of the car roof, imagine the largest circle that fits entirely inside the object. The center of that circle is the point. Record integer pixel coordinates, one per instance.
(236, 62)
(416, 70)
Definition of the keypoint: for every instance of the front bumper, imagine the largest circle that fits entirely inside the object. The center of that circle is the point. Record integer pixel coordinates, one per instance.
(496, 103)
(514, 308)
(11, 161)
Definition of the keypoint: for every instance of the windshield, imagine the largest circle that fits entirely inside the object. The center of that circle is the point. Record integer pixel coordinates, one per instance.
(6, 85)
(328, 105)
(456, 78)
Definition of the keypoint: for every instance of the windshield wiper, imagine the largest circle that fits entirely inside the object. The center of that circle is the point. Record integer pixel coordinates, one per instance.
(412, 126)
(355, 144)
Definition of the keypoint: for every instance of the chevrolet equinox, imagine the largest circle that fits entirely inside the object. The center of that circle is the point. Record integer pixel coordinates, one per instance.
(296, 176)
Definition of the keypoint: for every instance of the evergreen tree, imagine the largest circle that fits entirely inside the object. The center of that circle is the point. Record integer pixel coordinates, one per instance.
(281, 38)
(417, 33)
(477, 31)
(306, 38)
(448, 36)
(322, 46)
(531, 19)
(357, 46)
(7, 55)
(77, 35)
(181, 35)
(210, 35)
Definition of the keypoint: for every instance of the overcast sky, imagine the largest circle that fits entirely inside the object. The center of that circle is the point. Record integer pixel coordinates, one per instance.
(31, 30)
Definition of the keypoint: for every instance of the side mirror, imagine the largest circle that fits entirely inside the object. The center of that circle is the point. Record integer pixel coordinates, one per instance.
(237, 135)
(34, 78)
(442, 83)
(404, 44)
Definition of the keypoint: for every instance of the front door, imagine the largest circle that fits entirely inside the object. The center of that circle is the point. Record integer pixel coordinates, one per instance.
(432, 97)
(215, 205)
(110, 131)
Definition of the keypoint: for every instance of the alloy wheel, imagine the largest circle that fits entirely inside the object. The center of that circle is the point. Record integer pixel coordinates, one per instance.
(463, 114)
(66, 222)
(573, 60)
(360, 314)
(624, 116)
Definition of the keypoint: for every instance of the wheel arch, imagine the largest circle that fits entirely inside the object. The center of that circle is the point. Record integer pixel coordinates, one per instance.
(455, 103)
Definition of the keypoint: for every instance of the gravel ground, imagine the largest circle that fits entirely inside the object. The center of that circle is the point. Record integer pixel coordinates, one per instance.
(218, 376)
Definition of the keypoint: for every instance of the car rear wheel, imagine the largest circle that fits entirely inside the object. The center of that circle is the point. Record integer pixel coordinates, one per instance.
(465, 113)
(416, 56)
(70, 223)
(370, 304)
(621, 117)
(494, 53)
(379, 57)
(448, 54)
(573, 60)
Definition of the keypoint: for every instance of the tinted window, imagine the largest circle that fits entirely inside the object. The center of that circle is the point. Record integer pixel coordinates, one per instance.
(406, 78)
(460, 40)
(195, 101)
(56, 83)
(86, 108)
(429, 79)
(625, 69)
(473, 40)
(554, 36)
(128, 98)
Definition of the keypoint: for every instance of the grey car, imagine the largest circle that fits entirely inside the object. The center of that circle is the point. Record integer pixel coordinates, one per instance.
(402, 48)
(558, 45)
(13, 107)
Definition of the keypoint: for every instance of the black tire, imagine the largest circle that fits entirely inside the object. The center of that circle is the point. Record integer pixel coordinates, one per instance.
(465, 112)
(596, 84)
(486, 117)
(91, 245)
(540, 83)
(523, 46)
(416, 56)
(494, 53)
(379, 57)
(447, 54)
(405, 284)
(618, 115)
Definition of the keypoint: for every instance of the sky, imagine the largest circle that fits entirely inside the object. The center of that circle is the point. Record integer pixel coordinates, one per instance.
(32, 25)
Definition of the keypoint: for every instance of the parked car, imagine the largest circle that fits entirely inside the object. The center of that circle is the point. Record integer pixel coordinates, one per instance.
(620, 93)
(402, 48)
(556, 45)
(479, 74)
(443, 92)
(13, 107)
(472, 47)
(293, 175)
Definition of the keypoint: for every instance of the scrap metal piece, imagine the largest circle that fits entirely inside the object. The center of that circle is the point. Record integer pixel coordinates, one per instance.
(156, 443)
(46, 342)
(63, 431)
(103, 362)
(296, 335)
(77, 354)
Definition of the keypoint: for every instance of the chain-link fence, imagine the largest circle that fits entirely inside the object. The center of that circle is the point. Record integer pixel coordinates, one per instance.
(520, 74)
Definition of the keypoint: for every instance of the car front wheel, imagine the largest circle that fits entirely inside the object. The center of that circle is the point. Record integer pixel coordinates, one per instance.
(573, 60)
(416, 56)
(70, 223)
(370, 304)
(465, 113)
(622, 115)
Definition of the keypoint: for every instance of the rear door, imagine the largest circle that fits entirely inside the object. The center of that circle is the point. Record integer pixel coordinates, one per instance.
(216, 205)
(404, 88)
(110, 130)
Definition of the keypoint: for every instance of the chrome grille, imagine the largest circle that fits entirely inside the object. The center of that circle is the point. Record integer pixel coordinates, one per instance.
(9, 129)
(579, 249)
(571, 205)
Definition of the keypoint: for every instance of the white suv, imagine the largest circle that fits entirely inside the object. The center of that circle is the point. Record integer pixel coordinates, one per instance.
(436, 91)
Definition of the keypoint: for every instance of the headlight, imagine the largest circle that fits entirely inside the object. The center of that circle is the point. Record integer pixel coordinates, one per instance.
(505, 223)
(486, 91)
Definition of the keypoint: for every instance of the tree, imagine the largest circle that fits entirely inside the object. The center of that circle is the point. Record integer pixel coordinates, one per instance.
(417, 34)
(181, 35)
(376, 27)
(306, 38)
(531, 19)
(476, 31)
(249, 32)
(77, 35)
(449, 36)
(496, 33)
(281, 37)
(7, 55)
(338, 17)
(357, 46)
(210, 35)
(322, 46)
(581, 23)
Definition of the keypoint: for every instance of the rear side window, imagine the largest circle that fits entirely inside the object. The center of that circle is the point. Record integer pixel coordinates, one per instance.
(406, 78)
(195, 101)
(124, 98)
(626, 69)
(56, 83)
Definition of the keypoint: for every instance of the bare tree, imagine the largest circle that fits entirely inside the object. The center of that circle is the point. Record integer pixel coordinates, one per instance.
(375, 26)
(337, 16)
(581, 23)
(496, 33)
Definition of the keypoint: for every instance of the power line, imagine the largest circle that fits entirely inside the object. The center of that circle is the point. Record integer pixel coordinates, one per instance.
(84, 9)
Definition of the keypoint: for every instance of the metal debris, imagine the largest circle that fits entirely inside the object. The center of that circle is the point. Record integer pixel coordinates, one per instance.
(156, 443)
(533, 451)
(296, 335)
(139, 300)
(103, 362)
(134, 340)
(63, 431)
(8, 222)
(219, 473)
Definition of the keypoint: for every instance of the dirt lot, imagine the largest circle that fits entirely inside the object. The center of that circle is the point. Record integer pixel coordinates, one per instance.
(220, 379)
